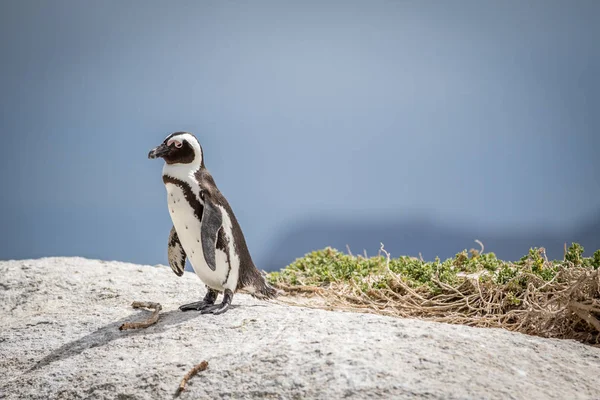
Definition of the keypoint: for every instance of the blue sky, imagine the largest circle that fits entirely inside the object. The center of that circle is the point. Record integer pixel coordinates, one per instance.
(472, 113)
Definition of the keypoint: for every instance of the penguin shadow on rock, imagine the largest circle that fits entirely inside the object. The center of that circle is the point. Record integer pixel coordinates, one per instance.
(422, 236)
(110, 332)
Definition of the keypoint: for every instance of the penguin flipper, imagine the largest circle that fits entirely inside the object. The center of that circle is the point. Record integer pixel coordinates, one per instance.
(176, 253)
(211, 223)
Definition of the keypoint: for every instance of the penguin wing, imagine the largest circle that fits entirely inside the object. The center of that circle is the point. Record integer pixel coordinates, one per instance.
(211, 223)
(176, 253)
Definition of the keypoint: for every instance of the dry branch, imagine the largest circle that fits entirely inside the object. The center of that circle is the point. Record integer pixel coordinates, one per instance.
(198, 368)
(143, 324)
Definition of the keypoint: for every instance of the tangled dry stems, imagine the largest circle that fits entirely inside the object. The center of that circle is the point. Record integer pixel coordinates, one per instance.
(567, 306)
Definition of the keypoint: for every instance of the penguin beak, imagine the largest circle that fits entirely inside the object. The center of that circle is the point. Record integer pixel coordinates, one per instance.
(159, 151)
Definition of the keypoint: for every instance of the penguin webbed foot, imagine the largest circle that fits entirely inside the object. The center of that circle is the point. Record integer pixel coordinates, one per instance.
(209, 300)
(217, 309)
(197, 306)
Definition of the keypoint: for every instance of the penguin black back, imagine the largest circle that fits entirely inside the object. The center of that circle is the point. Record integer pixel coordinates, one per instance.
(250, 278)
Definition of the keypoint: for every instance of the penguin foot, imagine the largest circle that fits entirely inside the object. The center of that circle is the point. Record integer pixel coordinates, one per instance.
(209, 300)
(197, 306)
(217, 309)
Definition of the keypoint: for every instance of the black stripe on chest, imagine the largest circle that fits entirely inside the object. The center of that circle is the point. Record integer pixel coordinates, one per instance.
(190, 197)
(222, 241)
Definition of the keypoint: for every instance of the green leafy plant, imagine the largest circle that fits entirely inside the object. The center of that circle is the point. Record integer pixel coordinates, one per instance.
(532, 295)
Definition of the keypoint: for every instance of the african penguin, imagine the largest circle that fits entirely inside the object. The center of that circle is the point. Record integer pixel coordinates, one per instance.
(205, 229)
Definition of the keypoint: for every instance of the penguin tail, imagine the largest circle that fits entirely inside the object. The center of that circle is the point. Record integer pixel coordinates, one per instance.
(263, 290)
(258, 287)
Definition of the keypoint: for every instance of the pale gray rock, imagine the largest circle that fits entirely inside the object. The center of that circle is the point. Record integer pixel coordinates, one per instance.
(59, 339)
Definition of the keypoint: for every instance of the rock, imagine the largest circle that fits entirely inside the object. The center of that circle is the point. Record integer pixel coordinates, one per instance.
(59, 339)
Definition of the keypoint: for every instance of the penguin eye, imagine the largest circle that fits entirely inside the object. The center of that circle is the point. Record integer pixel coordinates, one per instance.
(178, 144)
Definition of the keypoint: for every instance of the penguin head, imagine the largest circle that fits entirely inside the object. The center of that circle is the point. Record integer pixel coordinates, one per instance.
(179, 148)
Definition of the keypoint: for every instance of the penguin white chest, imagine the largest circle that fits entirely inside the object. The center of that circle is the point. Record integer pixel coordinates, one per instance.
(189, 230)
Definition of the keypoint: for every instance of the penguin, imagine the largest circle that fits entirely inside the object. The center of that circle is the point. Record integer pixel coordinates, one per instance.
(205, 229)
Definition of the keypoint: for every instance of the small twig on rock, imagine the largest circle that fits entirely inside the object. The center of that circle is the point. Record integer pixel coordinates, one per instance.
(143, 324)
(198, 368)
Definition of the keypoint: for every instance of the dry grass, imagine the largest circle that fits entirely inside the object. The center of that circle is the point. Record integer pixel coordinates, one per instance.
(558, 299)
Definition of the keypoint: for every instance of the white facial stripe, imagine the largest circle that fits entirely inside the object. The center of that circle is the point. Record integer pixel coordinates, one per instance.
(186, 136)
(193, 142)
(186, 172)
